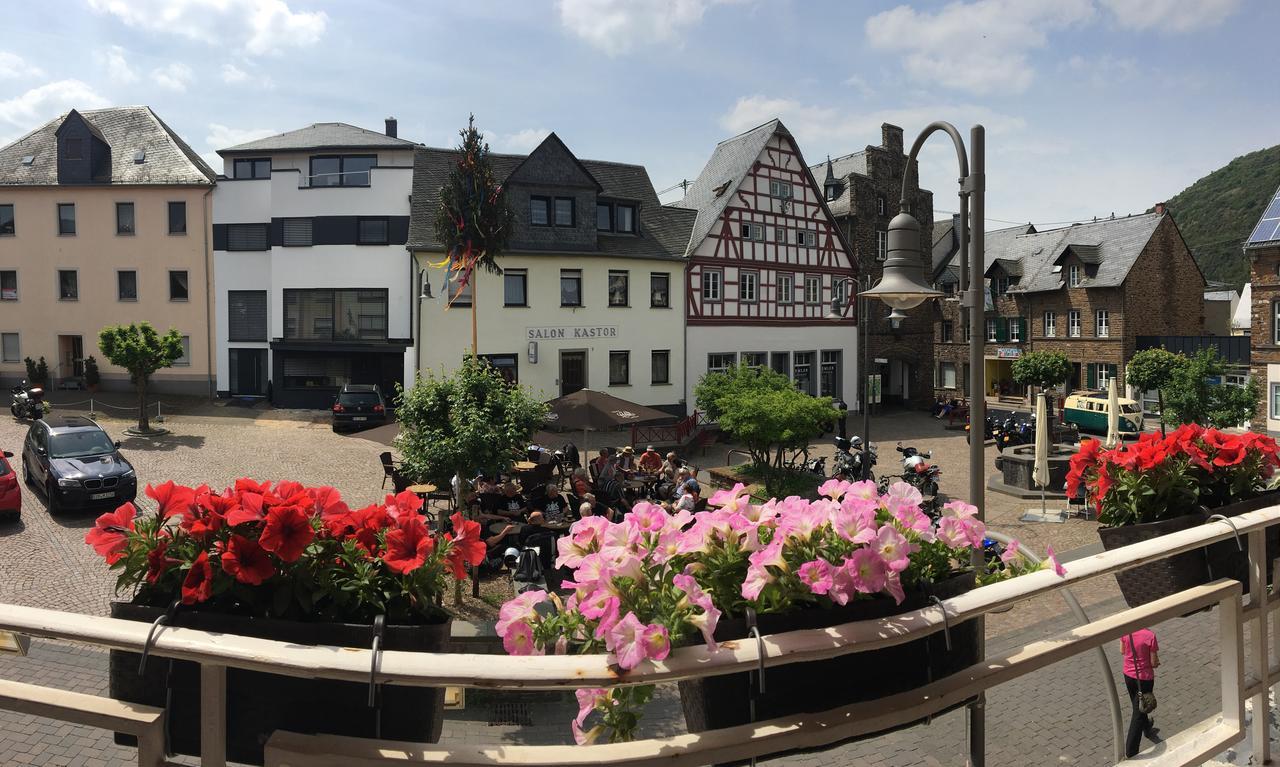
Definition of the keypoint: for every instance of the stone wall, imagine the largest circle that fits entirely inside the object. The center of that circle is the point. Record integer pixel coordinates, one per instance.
(1264, 275)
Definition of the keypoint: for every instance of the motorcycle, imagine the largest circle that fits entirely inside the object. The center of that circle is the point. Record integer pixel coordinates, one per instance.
(28, 401)
(988, 429)
(1015, 432)
(917, 471)
(849, 460)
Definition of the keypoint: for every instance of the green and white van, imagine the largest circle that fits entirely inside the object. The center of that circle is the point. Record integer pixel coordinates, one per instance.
(1088, 411)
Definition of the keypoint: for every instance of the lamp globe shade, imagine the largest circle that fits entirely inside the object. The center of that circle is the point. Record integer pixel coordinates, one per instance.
(903, 285)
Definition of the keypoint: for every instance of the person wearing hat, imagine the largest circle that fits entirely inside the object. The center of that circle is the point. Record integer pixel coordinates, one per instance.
(627, 461)
(650, 461)
(513, 504)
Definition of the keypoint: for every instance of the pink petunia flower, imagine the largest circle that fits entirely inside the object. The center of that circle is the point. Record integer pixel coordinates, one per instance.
(893, 547)
(519, 609)
(816, 575)
(1010, 552)
(868, 571)
(657, 643)
(518, 639)
(755, 581)
(626, 641)
(959, 510)
(1052, 563)
(834, 488)
(953, 533)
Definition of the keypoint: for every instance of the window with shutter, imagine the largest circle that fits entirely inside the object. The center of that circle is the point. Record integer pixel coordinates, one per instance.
(246, 315)
(297, 232)
(1091, 376)
(1002, 329)
(247, 237)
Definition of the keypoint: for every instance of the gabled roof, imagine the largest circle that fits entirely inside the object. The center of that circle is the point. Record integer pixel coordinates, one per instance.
(841, 168)
(1088, 253)
(729, 164)
(664, 230)
(554, 146)
(1118, 241)
(944, 245)
(995, 243)
(127, 130)
(1010, 266)
(321, 136)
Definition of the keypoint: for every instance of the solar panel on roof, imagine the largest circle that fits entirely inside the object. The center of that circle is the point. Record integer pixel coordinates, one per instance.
(1268, 228)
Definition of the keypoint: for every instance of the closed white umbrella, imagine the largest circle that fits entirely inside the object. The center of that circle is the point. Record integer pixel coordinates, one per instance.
(1044, 431)
(1113, 414)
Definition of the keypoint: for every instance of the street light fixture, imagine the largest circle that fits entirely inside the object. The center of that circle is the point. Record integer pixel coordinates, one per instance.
(903, 286)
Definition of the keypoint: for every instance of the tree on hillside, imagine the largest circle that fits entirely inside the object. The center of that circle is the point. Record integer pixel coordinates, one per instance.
(1154, 369)
(464, 421)
(1043, 370)
(141, 350)
(473, 221)
(1197, 394)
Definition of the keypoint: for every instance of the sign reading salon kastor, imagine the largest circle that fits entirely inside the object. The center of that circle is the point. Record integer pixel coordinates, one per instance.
(571, 333)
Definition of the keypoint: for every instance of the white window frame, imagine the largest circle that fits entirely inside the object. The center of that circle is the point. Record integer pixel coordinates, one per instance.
(1275, 320)
(786, 289)
(1102, 374)
(781, 189)
(813, 284)
(185, 359)
(942, 375)
(1073, 275)
(1050, 324)
(1275, 392)
(733, 360)
(716, 295)
(993, 330)
(746, 278)
(751, 231)
(780, 235)
(1015, 329)
(882, 244)
(1073, 323)
(18, 353)
(1102, 323)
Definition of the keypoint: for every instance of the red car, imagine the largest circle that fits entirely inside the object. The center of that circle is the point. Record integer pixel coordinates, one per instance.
(10, 492)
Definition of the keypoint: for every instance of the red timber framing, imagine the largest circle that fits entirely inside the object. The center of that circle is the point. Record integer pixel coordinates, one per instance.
(747, 238)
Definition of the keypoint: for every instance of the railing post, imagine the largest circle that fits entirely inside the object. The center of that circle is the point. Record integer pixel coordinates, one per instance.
(1232, 662)
(151, 746)
(213, 715)
(1258, 640)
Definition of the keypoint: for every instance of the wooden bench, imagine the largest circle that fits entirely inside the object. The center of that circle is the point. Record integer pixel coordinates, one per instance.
(143, 722)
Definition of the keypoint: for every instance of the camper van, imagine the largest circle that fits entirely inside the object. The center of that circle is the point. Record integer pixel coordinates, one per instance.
(1088, 411)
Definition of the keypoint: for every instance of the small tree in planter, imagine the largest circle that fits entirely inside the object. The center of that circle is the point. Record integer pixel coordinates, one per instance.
(1043, 370)
(655, 581)
(1198, 394)
(468, 420)
(91, 375)
(141, 350)
(1154, 369)
(292, 563)
(37, 372)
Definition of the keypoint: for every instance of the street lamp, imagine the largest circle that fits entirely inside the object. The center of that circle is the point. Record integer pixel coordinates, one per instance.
(902, 289)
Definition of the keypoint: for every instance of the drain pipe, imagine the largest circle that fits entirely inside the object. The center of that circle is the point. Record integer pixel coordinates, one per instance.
(1113, 697)
(211, 335)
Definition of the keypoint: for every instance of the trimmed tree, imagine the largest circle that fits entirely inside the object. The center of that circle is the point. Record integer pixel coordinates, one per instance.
(1194, 396)
(740, 378)
(141, 350)
(1043, 370)
(473, 221)
(460, 422)
(1154, 369)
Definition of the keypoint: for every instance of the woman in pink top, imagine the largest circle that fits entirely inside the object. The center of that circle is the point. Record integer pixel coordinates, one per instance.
(1141, 654)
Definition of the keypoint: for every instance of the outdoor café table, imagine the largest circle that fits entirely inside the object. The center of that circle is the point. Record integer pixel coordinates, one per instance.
(522, 466)
(422, 491)
(646, 483)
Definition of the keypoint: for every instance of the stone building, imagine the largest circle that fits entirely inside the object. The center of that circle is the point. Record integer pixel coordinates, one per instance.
(1087, 290)
(862, 191)
(1263, 249)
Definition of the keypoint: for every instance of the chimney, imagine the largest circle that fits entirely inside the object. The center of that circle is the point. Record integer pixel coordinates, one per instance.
(1159, 208)
(391, 127)
(891, 138)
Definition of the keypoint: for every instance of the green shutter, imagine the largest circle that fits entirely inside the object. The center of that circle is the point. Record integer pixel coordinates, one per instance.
(1023, 330)
(1091, 376)
(1002, 329)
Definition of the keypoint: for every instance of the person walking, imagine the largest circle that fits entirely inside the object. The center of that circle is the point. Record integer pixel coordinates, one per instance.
(1141, 654)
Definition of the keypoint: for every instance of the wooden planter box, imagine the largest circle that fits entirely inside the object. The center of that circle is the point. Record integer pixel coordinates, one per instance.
(712, 703)
(1149, 582)
(260, 703)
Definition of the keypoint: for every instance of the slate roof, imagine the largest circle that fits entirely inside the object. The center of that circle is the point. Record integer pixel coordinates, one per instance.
(711, 192)
(664, 230)
(841, 168)
(169, 159)
(1119, 242)
(322, 136)
(944, 244)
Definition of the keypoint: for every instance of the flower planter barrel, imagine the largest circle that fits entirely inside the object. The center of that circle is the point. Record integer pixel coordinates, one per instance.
(712, 703)
(260, 703)
(1162, 578)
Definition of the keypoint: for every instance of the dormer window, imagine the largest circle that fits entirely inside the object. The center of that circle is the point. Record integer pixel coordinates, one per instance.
(604, 217)
(1073, 276)
(624, 219)
(73, 148)
(251, 168)
(833, 190)
(565, 211)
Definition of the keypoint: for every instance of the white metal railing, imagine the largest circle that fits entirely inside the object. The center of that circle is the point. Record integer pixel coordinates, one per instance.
(216, 652)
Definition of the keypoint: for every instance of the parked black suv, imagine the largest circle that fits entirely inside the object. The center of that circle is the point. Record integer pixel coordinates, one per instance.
(76, 464)
(359, 406)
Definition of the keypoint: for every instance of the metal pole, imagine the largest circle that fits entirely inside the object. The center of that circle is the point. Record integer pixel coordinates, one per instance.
(975, 184)
(864, 323)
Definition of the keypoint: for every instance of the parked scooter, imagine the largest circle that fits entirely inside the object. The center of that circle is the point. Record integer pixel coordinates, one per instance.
(853, 461)
(28, 401)
(1014, 432)
(917, 471)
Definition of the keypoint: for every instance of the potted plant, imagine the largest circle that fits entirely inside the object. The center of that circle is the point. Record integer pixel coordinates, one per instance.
(290, 563)
(1162, 484)
(657, 580)
(91, 375)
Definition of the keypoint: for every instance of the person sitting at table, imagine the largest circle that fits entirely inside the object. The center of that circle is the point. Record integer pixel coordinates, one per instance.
(650, 462)
(483, 485)
(627, 461)
(689, 496)
(550, 510)
(512, 503)
(581, 482)
(674, 490)
(597, 509)
(571, 457)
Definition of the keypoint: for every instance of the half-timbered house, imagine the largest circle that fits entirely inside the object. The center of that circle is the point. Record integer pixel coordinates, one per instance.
(764, 261)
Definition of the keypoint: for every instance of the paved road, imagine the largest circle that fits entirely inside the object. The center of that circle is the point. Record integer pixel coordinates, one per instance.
(1057, 716)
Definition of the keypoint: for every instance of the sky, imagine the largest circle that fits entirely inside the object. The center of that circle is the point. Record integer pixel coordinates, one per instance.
(1091, 107)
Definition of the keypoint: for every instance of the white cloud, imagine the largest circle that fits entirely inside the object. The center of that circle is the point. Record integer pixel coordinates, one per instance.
(617, 26)
(224, 136)
(23, 113)
(1104, 70)
(980, 46)
(520, 142)
(259, 26)
(860, 84)
(232, 74)
(1170, 15)
(175, 77)
(14, 66)
(113, 60)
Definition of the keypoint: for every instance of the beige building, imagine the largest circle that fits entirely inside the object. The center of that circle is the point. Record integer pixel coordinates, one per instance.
(104, 219)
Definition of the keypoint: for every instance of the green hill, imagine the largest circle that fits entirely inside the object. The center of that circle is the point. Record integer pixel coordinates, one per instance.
(1217, 213)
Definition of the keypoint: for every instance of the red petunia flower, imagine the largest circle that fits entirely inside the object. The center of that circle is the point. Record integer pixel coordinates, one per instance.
(328, 502)
(287, 488)
(403, 503)
(198, 585)
(408, 545)
(246, 561)
(157, 563)
(366, 523)
(248, 509)
(171, 498)
(110, 533)
(246, 485)
(465, 546)
(287, 532)
(1230, 455)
